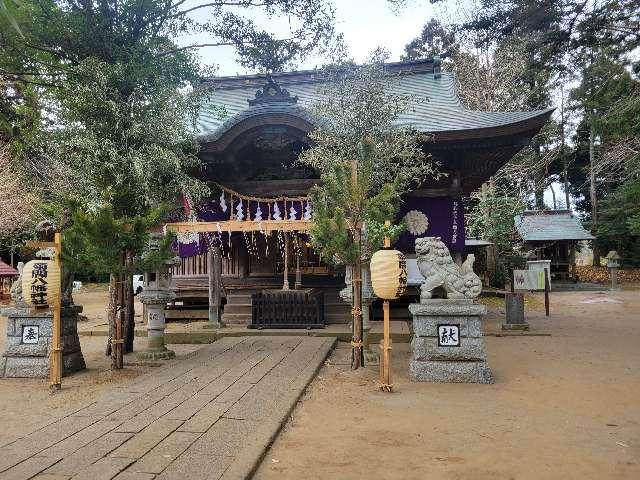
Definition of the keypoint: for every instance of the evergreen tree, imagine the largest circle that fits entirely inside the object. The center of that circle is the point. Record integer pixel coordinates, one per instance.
(365, 163)
(113, 134)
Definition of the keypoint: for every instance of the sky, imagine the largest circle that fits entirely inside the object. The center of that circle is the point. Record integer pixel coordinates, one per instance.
(366, 24)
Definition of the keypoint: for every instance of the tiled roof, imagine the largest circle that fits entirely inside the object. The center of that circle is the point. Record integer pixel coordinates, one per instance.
(546, 225)
(434, 108)
(7, 270)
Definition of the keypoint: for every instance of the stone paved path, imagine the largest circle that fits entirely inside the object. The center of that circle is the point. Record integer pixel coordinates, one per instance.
(211, 416)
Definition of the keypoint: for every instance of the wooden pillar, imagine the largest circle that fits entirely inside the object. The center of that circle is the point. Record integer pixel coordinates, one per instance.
(285, 281)
(298, 284)
(214, 272)
(572, 261)
(243, 260)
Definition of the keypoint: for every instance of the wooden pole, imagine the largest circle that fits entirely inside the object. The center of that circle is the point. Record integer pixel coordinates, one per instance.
(513, 281)
(214, 272)
(385, 343)
(117, 342)
(357, 352)
(546, 292)
(285, 282)
(55, 362)
(298, 284)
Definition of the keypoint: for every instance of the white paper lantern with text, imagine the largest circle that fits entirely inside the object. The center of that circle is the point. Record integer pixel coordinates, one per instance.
(41, 283)
(388, 274)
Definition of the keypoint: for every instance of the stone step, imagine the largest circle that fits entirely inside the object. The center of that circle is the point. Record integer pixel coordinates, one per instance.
(236, 318)
(334, 318)
(238, 308)
(238, 298)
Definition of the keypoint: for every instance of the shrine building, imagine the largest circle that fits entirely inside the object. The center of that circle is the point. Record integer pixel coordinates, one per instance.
(251, 133)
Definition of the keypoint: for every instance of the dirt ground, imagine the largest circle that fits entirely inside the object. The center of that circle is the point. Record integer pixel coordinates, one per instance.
(563, 407)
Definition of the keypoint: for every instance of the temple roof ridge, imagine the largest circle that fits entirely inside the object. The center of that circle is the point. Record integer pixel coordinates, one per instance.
(434, 106)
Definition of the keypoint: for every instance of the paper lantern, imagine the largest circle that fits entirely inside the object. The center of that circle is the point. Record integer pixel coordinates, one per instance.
(388, 274)
(41, 283)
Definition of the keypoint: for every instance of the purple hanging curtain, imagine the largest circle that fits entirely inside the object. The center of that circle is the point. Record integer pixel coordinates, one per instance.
(442, 216)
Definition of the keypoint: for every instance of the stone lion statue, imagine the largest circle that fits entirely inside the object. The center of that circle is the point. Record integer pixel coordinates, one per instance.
(439, 269)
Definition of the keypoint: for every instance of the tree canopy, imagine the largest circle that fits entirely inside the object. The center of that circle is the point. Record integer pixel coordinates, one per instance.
(579, 57)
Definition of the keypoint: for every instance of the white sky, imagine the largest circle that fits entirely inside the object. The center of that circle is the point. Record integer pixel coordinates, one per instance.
(366, 24)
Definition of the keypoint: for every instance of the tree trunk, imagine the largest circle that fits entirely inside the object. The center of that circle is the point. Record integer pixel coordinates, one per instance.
(539, 180)
(117, 349)
(565, 164)
(116, 315)
(592, 193)
(129, 310)
(111, 312)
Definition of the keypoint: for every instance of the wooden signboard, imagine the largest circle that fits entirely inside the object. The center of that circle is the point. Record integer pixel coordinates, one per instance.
(532, 280)
(31, 334)
(528, 279)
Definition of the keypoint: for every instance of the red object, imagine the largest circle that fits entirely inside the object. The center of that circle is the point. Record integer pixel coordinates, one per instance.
(7, 270)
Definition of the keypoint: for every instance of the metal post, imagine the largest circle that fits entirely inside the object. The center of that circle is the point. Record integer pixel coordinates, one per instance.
(55, 363)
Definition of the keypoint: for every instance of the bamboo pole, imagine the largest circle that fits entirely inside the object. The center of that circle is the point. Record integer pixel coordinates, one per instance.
(357, 352)
(55, 361)
(385, 343)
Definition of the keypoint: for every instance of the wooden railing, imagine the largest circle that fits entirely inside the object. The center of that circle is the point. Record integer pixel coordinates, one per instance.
(197, 266)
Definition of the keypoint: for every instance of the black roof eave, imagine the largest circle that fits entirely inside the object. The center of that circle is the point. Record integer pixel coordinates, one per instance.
(532, 124)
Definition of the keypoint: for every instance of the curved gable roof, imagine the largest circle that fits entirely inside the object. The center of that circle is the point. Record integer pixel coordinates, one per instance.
(434, 106)
(549, 225)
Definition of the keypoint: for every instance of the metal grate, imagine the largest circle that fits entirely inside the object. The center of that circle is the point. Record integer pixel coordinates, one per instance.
(287, 309)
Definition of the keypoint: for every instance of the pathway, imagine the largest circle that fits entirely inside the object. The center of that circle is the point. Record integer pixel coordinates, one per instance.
(210, 416)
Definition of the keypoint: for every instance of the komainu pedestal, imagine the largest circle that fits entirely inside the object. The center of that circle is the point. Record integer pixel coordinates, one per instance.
(447, 344)
(29, 341)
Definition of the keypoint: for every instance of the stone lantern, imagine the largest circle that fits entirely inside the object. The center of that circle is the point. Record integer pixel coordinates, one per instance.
(613, 262)
(155, 295)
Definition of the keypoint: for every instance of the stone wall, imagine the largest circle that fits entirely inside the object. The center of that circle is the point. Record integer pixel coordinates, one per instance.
(586, 273)
(32, 359)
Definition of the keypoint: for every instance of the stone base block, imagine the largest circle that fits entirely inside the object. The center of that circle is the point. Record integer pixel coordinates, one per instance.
(72, 362)
(515, 326)
(427, 349)
(151, 354)
(450, 372)
(31, 360)
(26, 367)
(463, 363)
(213, 326)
